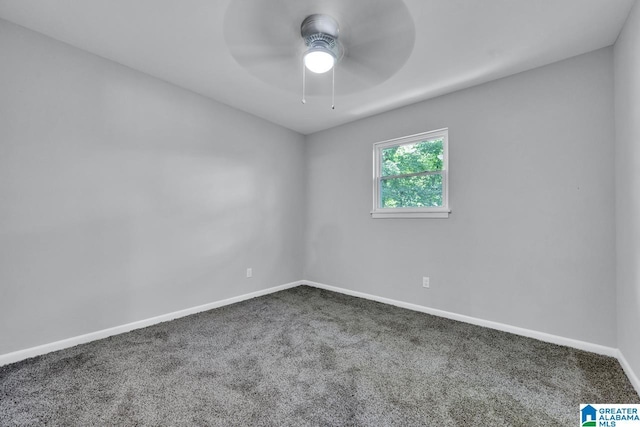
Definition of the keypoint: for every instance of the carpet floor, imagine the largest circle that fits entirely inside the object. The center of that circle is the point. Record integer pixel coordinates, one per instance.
(309, 357)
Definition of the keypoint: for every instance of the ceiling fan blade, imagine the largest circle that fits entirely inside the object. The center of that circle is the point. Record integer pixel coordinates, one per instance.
(248, 55)
(359, 75)
(265, 30)
(376, 16)
(379, 43)
(384, 55)
(259, 64)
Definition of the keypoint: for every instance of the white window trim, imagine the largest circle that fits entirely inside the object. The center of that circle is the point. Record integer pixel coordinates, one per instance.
(439, 212)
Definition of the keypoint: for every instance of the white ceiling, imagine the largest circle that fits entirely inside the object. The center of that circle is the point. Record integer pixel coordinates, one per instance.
(458, 43)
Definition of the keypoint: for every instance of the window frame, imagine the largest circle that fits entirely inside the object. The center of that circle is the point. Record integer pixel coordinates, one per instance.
(419, 212)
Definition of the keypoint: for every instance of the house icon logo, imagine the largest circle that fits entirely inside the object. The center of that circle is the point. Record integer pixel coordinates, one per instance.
(588, 416)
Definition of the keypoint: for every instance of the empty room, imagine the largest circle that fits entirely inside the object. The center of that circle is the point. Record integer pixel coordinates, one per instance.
(320, 212)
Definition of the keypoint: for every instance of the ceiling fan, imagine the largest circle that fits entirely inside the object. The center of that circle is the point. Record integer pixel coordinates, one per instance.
(320, 34)
(364, 41)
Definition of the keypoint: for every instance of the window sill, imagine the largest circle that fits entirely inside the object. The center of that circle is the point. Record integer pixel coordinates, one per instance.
(387, 215)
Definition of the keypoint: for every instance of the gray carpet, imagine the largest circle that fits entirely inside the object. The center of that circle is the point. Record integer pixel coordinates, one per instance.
(310, 357)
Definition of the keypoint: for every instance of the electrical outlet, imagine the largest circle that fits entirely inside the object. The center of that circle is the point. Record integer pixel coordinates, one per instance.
(249, 272)
(425, 282)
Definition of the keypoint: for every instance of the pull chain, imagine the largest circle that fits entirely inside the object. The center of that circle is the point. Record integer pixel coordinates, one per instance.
(333, 88)
(304, 82)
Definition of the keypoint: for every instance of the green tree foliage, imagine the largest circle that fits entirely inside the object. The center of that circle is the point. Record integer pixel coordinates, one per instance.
(420, 189)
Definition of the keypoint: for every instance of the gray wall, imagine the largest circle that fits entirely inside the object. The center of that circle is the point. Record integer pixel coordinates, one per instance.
(124, 197)
(627, 110)
(531, 239)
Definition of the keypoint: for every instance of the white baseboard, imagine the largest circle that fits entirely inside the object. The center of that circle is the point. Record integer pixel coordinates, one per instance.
(17, 356)
(635, 381)
(554, 339)
(542, 336)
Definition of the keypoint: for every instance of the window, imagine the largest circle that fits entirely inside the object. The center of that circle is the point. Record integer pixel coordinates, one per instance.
(411, 176)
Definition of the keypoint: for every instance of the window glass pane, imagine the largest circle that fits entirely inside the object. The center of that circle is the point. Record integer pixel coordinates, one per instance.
(411, 192)
(412, 158)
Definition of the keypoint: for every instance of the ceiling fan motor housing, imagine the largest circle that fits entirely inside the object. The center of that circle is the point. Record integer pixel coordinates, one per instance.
(320, 32)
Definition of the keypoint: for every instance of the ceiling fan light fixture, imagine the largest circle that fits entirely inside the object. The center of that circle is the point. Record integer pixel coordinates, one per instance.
(320, 35)
(319, 60)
